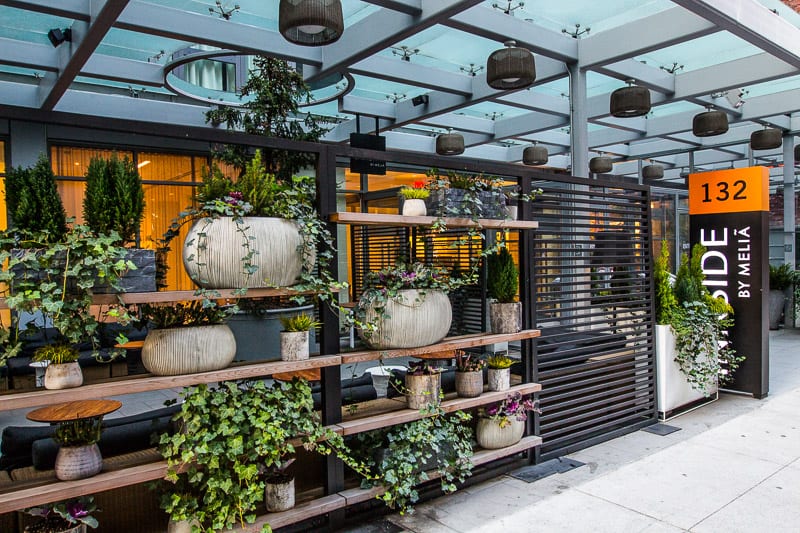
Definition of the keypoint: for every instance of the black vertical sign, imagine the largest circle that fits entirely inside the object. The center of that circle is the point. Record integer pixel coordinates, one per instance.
(729, 212)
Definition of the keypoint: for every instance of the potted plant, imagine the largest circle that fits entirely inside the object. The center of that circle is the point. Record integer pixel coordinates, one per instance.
(78, 456)
(505, 314)
(279, 487)
(401, 457)
(294, 337)
(69, 516)
(114, 202)
(469, 374)
(780, 279)
(503, 424)
(63, 370)
(414, 199)
(454, 194)
(423, 385)
(499, 373)
(406, 306)
(229, 437)
(33, 202)
(184, 338)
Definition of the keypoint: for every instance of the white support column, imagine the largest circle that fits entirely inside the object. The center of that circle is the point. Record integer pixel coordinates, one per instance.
(579, 122)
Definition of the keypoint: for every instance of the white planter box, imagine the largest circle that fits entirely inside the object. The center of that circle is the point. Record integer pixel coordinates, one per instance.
(673, 391)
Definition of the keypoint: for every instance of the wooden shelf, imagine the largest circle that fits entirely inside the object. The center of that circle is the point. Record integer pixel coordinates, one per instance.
(129, 385)
(380, 219)
(402, 416)
(450, 343)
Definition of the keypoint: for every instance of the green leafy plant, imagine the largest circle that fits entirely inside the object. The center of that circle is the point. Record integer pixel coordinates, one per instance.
(499, 361)
(230, 438)
(468, 362)
(63, 515)
(422, 368)
(438, 443)
(33, 202)
(665, 300)
(781, 277)
(180, 314)
(301, 322)
(114, 199)
(503, 276)
(416, 191)
(82, 432)
(57, 354)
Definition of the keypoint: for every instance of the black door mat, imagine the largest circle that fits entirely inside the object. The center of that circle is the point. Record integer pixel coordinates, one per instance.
(661, 430)
(532, 473)
(376, 526)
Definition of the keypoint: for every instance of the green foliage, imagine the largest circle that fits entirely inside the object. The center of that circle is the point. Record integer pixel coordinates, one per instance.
(177, 315)
(301, 322)
(114, 198)
(80, 432)
(57, 354)
(414, 192)
(231, 437)
(689, 279)
(469, 362)
(63, 515)
(422, 368)
(33, 202)
(503, 276)
(438, 443)
(272, 96)
(666, 303)
(499, 361)
(781, 277)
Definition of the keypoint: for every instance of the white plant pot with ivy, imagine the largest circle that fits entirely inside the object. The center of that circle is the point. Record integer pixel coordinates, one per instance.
(409, 319)
(186, 350)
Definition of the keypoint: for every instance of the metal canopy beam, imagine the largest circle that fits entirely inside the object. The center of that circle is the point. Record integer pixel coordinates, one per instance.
(409, 7)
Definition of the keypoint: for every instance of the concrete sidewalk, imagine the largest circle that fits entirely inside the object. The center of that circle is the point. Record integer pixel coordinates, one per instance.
(733, 467)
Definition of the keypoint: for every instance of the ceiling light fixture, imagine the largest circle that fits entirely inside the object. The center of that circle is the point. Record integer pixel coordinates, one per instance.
(311, 22)
(630, 101)
(511, 67)
(766, 139)
(450, 143)
(421, 99)
(653, 172)
(600, 165)
(58, 36)
(535, 155)
(710, 123)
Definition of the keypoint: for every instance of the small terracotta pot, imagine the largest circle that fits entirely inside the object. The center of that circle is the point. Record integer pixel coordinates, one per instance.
(422, 390)
(499, 379)
(469, 384)
(294, 345)
(491, 436)
(279, 496)
(78, 462)
(63, 376)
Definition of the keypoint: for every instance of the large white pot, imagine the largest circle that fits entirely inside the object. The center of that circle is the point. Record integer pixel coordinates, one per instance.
(413, 318)
(63, 376)
(172, 351)
(214, 248)
(674, 390)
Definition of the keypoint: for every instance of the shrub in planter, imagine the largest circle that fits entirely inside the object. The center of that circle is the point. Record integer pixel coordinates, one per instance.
(423, 385)
(503, 424)
(499, 373)
(79, 456)
(781, 278)
(469, 374)
(63, 370)
(294, 337)
(505, 315)
(69, 516)
(33, 202)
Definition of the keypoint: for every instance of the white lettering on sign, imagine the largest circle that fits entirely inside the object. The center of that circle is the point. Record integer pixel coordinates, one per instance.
(714, 264)
(743, 259)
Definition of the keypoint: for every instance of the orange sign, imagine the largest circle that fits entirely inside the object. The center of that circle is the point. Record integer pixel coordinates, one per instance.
(737, 190)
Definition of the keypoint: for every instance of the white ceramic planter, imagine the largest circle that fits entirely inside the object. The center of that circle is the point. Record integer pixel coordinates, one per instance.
(213, 251)
(279, 496)
(491, 436)
(294, 345)
(512, 212)
(78, 462)
(181, 526)
(423, 390)
(413, 318)
(469, 384)
(505, 318)
(414, 207)
(63, 376)
(169, 352)
(499, 379)
(674, 390)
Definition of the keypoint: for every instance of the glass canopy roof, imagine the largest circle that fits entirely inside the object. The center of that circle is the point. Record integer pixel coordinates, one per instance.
(739, 57)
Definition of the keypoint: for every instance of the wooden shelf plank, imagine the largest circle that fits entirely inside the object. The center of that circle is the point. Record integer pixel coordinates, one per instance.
(300, 512)
(381, 219)
(62, 490)
(360, 425)
(450, 343)
(128, 385)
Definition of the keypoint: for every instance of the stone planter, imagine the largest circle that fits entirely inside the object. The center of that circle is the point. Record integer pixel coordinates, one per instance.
(63, 376)
(172, 351)
(499, 379)
(413, 318)
(213, 251)
(142, 279)
(469, 384)
(460, 203)
(491, 436)
(414, 207)
(294, 345)
(78, 462)
(279, 496)
(777, 299)
(505, 318)
(181, 526)
(422, 390)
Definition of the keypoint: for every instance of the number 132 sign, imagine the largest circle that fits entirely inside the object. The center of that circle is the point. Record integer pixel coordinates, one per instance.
(737, 190)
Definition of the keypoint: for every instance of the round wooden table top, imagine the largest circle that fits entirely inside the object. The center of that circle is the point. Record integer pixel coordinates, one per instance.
(310, 374)
(131, 345)
(77, 410)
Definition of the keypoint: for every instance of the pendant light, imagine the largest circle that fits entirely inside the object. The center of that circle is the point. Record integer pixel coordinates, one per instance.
(600, 165)
(510, 67)
(449, 143)
(797, 154)
(535, 155)
(710, 123)
(766, 139)
(630, 101)
(653, 172)
(310, 22)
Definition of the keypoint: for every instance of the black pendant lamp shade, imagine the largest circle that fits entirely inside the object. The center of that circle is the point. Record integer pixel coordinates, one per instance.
(535, 155)
(450, 144)
(797, 154)
(630, 101)
(311, 22)
(510, 68)
(766, 139)
(600, 165)
(710, 123)
(653, 172)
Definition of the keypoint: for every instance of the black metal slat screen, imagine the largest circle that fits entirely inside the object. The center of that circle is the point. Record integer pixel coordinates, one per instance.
(592, 274)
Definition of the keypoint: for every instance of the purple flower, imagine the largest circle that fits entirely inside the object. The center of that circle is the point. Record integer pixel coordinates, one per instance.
(76, 510)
